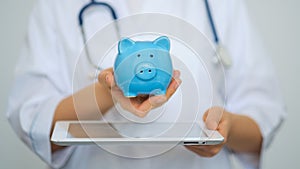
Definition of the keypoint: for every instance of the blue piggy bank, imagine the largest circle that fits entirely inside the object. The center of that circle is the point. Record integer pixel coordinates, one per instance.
(143, 67)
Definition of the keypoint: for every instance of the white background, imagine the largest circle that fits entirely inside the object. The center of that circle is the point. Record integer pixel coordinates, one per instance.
(279, 24)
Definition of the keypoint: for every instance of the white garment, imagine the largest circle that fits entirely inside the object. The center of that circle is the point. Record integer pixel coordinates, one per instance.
(45, 68)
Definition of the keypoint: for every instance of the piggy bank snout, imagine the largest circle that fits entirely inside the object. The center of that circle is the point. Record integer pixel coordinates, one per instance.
(145, 71)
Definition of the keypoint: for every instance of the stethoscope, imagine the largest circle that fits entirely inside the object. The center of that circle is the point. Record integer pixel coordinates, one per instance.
(221, 51)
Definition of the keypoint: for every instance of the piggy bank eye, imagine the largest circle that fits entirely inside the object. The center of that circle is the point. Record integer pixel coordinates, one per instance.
(138, 55)
(151, 56)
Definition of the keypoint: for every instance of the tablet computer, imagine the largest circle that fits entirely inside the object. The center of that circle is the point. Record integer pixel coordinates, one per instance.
(90, 132)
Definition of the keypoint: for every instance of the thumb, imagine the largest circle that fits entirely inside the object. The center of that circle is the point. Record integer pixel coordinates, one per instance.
(212, 117)
(106, 78)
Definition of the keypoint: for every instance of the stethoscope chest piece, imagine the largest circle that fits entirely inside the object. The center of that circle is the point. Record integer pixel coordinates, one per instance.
(223, 56)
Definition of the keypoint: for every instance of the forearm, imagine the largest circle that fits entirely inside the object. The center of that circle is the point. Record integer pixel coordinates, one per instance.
(245, 135)
(83, 105)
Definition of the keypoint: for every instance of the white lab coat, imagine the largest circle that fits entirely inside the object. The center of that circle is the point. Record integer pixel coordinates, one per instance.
(45, 68)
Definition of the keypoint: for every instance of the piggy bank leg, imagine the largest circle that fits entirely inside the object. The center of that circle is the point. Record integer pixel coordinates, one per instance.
(158, 92)
(129, 95)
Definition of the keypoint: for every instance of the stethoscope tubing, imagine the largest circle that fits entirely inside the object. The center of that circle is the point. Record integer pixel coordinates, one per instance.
(224, 59)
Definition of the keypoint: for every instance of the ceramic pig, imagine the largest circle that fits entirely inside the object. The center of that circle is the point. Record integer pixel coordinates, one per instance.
(143, 67)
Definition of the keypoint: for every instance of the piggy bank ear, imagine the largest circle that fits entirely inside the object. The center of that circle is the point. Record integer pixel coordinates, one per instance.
(163, 42)
(124, 44)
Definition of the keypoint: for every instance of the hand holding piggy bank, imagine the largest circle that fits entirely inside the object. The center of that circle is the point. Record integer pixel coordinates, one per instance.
(143, 67)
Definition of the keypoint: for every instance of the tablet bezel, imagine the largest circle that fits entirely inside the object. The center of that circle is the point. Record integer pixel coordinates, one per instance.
(60, 137)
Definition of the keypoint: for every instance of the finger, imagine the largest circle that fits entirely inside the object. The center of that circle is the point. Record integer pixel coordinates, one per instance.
(131, 104)
(212, 117)
(157, 101)
(175, 83)
(106, 77)
(139, 99)
(200, 151)
(205, 151)
(142, 109)
(110, 79)
(176, 74)
(145, 107)
(125, 102)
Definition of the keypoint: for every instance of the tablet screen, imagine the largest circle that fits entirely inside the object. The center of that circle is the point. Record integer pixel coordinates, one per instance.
(134, 130)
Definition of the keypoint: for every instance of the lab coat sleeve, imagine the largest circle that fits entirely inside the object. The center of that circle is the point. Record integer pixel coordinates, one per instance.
(40, 84)
(252, 88)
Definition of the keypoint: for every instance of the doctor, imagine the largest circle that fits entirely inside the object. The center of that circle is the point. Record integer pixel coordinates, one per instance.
(42, 92)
